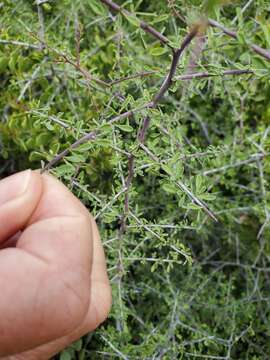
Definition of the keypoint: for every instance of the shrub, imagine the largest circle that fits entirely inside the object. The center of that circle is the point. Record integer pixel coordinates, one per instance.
(178, 182)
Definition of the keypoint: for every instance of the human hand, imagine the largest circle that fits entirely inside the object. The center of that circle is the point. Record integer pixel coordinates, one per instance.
(53, 280)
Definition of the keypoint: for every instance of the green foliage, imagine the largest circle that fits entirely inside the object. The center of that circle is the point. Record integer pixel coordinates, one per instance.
(184, 287)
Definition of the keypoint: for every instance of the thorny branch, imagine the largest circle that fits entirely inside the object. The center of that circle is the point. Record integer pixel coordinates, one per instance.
(91, 136)
(60, 156)
(175, 60)
(165, 86)
(156, 99)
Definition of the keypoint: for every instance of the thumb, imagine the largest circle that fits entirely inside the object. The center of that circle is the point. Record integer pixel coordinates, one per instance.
(19, 196)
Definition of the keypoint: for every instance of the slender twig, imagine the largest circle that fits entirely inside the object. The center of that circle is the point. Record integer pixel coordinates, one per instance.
(19, 43)
(29, 82)
(75, 64)
(118, 352)
(148, 152)
(243, 10)
(143, 25)
(131, 77)
(110, 203)
(206, 74)
(77, 39)
(202, 125)
(41, 25)
(167, 82)
(197, 201)
(253, 158)
(130, 112)
(175, 12)
(128, 183)
(51, 118)
(259, 50)
(83, 71)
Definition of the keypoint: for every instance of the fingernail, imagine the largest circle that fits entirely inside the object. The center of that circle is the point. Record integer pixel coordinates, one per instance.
(14, 186)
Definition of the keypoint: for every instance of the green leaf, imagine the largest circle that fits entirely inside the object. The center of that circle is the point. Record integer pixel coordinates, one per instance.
(132, 19)
(193, 206)
(13, 61)
(160, 18)
(167, 169)
(266, 31)
(85, 147)
(36, 156)
(49, 126)
(65, 169)
(207, 197)
(76, 158)
(125, 128)
(169, 188)
(65, 356)
(3, 64)
(43, 139)
(97, 7)
(258, 63)
(157, 51)
(199, 184)
(239, 14)
(77, 345)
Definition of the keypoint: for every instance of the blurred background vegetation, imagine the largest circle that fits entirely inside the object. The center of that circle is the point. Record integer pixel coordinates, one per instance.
(184, 286)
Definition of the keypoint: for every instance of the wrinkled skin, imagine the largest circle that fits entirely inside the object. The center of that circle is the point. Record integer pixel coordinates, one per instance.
(53, 279)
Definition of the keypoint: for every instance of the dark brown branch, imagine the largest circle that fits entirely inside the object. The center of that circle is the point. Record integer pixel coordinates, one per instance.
(142, 132)
(167, 82)
(176, 57)
(143, 25)
(259, 50)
